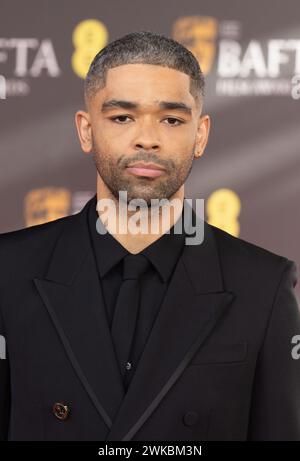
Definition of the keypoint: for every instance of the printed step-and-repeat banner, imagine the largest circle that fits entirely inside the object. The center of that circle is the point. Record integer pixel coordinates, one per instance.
(249, 174)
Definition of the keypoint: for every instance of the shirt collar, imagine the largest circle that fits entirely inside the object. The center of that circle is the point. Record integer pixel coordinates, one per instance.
(163, 253)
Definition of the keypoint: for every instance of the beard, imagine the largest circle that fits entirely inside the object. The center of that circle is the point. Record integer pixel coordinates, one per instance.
(141, 189)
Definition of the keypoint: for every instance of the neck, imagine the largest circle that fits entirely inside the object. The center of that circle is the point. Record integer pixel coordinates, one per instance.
(121, 224)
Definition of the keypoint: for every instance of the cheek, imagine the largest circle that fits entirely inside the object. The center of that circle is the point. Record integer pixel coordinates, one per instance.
(180, 139)
(183, 151)
(115, 145)
(102, 144)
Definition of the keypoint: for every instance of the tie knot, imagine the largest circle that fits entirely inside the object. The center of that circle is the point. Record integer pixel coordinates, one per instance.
(134, 266)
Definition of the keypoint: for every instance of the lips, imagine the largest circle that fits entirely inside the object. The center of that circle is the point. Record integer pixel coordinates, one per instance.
(151, 166)
(150, 170)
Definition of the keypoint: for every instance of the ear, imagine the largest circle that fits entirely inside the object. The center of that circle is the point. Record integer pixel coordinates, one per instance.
(84, 130)
(202, 135)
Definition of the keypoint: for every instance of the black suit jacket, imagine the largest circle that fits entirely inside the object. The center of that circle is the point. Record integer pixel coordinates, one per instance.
(217, 366)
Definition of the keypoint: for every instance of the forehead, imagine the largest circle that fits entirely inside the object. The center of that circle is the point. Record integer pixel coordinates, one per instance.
(144, 81)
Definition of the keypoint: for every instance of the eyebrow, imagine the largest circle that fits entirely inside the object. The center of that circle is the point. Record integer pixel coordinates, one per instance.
(163, 105)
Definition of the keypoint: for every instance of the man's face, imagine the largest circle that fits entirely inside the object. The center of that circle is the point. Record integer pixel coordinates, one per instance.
(120, 135)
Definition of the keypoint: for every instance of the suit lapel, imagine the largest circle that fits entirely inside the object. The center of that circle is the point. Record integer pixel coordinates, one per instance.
(194, 302)
(72, 294)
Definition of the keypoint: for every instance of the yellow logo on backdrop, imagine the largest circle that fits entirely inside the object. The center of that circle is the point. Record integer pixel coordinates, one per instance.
(46, 204)
(198, 34)
(223, 207)
(89, 37)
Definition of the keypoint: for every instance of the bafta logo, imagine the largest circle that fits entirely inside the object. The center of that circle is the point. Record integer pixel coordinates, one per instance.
(46, 204)
(198, 34)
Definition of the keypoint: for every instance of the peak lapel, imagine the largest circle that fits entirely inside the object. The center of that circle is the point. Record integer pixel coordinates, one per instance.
(73, 297)
(194, 302)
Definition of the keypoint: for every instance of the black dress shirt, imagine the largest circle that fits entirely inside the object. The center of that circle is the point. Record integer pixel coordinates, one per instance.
(163, 255)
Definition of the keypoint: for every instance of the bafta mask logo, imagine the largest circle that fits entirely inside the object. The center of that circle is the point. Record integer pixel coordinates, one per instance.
(198, 34)
(46, 204)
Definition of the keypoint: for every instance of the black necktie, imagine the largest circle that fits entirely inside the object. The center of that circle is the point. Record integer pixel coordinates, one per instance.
(126, 308)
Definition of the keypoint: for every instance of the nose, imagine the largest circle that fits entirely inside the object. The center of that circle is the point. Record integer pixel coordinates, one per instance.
(146, 137)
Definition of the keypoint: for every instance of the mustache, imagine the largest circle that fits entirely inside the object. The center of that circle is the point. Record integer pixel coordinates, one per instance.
(145, 157)
(140, 156)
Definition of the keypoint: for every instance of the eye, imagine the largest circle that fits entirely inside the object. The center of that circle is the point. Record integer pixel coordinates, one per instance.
(174, 119)
(119, 116)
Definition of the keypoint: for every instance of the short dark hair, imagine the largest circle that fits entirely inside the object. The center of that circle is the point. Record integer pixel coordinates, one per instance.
(144, 47)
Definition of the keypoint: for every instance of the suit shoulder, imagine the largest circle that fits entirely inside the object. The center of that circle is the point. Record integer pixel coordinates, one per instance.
(32, 238)
(246, 255)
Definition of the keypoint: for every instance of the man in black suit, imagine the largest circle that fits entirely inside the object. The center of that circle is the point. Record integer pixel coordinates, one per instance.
(213, 352)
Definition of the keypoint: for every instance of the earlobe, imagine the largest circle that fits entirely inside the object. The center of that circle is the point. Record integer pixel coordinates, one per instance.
(198, 154)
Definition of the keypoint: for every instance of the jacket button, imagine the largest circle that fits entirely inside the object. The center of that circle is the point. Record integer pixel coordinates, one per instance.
(190, 418)
(61, 411)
